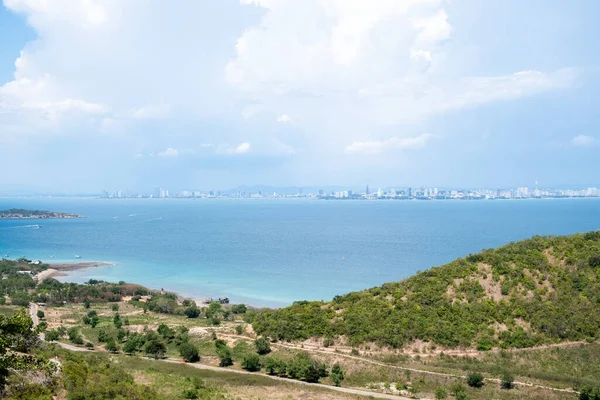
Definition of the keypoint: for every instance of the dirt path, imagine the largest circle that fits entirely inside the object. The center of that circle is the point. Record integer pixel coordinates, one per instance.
(33, 309)
(292, 381)
(381, 364)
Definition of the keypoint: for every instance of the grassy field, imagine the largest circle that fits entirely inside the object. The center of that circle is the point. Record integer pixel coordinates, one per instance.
(567, 367)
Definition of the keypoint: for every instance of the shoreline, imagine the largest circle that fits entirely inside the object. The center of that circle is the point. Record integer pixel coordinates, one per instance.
(62, 269)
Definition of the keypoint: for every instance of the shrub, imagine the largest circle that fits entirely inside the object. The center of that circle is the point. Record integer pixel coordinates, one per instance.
(262, 346)
(192, 312)
(189, 352)
(155, 348)
(89, 345)
(507, 381)
(589, 393)
(475, 380)
(111, 345)
(251, 362)
(115, 307)
(239, 329)
(102, 336)
(440, 393)
(190, 393)
(337, 374)
(52, 335)
(275, 366)
(239, 309)
(225, 358)
(40, 314)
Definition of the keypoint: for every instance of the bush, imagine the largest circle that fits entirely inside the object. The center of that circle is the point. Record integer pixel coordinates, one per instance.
(440, 393)
(192, 312)
(190, 394)
(239, 329)
(239, 309)
(40, 314)
(275, 366)
(251, 362)
(102, 336)
(225, 358)
(475, 380)
(89, 345)
(337, 374)
(589, 393)
(262, 346)
(111, 345)
(115, 307)
(506, 381)
(155, 348)
(52, 335)
(189, 352)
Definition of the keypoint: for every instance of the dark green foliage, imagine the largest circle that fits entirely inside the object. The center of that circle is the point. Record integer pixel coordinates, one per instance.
(117, 321)
(40, 314)
(102, 336)
(262, 346)
(475, 380)
(251, 362)
(547, 290)
(155, 348)
(506, 381)
(239, 329)
(589, 393)
(74, 335)
(94, 378)
(51, 335)
(275, 366)
(192, 312)
(302, 366)
(191, 393)
(337, 374)
(440, 393)
(111, 345)
(189, 352)
(239, 309)
(166, 332)
(225, 356)
(115, 307)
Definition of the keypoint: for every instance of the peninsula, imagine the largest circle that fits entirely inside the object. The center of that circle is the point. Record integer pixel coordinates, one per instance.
(18, 213)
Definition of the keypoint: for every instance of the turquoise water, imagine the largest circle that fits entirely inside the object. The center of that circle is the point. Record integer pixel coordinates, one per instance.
(272, 252)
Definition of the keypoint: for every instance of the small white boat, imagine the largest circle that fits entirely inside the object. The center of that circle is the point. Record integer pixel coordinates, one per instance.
(77, 256)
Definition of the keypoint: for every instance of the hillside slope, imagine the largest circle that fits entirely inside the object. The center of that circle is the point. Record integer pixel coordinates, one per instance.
(540, 290)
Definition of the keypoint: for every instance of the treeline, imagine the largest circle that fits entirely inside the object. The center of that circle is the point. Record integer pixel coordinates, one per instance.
(545, 289)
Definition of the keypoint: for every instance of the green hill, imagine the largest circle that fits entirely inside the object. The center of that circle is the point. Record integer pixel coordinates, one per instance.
(536, 291)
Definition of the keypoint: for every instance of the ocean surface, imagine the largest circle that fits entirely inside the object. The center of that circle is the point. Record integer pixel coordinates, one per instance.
(273, 252)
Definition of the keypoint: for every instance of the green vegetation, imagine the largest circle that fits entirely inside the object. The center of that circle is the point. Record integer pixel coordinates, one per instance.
(337, 374)
(541, 290)
(475, 380)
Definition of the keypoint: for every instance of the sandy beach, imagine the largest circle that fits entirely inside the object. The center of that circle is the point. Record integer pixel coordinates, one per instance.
(61, 269)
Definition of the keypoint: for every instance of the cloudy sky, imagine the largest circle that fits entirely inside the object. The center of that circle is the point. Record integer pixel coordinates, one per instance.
(208, 94)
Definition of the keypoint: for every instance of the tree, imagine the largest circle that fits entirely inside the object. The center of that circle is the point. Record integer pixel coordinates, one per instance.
(117, 321)
(17, 330)
(337, 374)
(251, 362)
(275, 366)
(262, 346)
(506, 381)
(164, 331)
(224, 354)
(102, 336)
(589, 393)
(214, 308)
(155, 348)
(130, 346)
(74, 335)
(51, 335)
(189, 352)
(440, 393)
(239, 329)
(40, 314)
(86, 304)
(111, 345)
(192, 312)
(475, 380)
(239, 309)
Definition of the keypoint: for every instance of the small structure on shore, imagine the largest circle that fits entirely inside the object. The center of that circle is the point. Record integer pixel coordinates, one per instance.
(222, 300)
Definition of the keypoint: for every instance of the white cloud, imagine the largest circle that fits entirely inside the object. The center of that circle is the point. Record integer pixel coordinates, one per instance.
(169, 152)
(375, 147)
(152, 112)
(420, 55)
(284, 119)
(242, 148)
(583, 141)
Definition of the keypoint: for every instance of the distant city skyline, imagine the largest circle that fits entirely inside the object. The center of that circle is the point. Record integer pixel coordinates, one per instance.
(460, 93)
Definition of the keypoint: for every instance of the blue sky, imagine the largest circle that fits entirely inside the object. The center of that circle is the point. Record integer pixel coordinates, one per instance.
(214, 94)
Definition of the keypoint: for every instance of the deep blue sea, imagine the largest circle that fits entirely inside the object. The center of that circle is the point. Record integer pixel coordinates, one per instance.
(273, 252)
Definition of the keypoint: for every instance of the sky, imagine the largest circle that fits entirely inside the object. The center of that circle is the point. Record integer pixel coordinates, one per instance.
(214, 94)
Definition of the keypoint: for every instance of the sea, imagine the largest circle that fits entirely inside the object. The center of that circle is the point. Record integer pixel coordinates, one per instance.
(271, 253)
